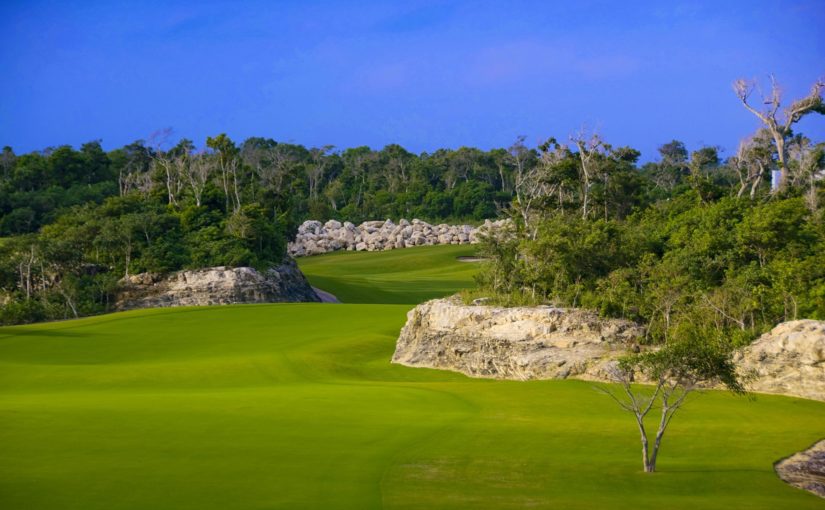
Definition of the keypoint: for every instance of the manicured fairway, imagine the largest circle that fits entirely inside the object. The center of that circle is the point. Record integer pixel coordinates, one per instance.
(407, 276)
(297, 406)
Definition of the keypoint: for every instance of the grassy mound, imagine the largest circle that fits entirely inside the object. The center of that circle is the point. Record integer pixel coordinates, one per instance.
(407, 276)
(297, 406)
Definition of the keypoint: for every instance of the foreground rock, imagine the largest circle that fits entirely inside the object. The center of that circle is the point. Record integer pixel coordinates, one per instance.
(325, 296)
(789, 360)
(554, 343)
(805, 470)
(216, 286)
(314, 237)
(513, 343)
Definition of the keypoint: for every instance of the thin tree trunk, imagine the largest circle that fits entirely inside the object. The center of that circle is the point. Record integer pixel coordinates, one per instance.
(658, 440)
(128, 258)
(235, 185)
(780, 153)
(68, 301)
(643, 434)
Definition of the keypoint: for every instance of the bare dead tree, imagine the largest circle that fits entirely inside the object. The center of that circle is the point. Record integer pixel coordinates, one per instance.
(233, 165)
(181, 168)
(67, 297)
(27, 262)
(591, 148)
(280, 162)
(532, 183)
(780, 123)
(254, 157)
(315, 172)
(133, 175)
(141, 182)
(753, 159)
(125, 179)
(518, 153)
(360, 164)
(808, 166)
(198, 173)
(398, 168)
(162, 160)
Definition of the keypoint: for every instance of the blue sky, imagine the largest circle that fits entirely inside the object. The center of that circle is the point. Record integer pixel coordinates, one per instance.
(422, 74)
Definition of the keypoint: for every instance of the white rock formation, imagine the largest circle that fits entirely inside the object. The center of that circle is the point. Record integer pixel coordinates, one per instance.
(789, 359)
(215, 286)
(314, 237)
(513, 343)
(554, 343)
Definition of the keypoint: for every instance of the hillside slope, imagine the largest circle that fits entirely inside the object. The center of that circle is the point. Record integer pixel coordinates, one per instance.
(408, 276)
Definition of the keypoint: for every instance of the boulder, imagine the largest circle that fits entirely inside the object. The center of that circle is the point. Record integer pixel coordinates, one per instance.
(215, 286)
(805, 470)
(554, 343)
(513, 343)
(789, 359)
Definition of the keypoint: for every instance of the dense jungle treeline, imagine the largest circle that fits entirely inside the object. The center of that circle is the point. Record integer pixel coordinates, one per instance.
(691, 246)
(591, 226)
(73, 222)
(355, 184)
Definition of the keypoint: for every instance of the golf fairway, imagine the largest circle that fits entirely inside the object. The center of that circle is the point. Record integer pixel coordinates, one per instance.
(297, 406)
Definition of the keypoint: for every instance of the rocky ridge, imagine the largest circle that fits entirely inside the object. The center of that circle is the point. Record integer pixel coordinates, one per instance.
(513, 343)
(556, 343)
(314, 237)
(216, 286)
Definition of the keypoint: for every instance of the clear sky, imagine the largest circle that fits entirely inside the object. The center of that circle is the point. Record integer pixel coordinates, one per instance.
(421, 74)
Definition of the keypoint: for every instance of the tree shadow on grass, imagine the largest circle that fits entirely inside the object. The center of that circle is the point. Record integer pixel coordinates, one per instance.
(709, 470)
(51, 333)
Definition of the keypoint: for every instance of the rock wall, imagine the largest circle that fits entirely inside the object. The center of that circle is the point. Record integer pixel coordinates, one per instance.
(555, 343)
(314, 237)
(513, 343)
(789, 360)
(216, 286)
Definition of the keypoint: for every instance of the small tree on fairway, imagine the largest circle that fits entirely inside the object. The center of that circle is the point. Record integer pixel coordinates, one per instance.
(675, 370)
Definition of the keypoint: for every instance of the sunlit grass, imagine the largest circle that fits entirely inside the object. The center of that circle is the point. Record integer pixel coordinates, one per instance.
(297, 406)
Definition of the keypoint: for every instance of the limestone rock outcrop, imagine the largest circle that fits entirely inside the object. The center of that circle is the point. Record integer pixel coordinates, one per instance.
(805, 470)
(314, 237)
(216, 286)
(555, 343)
(513, 343)
(789, 360)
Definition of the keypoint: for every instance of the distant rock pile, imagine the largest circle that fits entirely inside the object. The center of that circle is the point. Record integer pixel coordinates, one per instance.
(216, 286)
(521, 343)
(315, 237)
(544, 342)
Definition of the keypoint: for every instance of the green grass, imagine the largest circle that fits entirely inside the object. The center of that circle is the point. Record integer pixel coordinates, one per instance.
(398, 276)
(297, 406)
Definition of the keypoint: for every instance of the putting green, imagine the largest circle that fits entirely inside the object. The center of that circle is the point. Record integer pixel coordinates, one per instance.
(297, 406)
